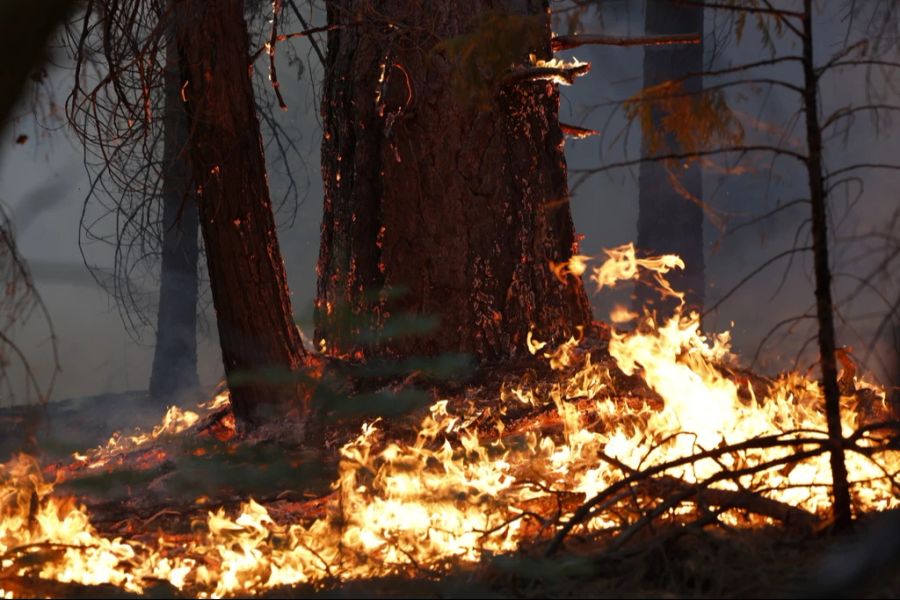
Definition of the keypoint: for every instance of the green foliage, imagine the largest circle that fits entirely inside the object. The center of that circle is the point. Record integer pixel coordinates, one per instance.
(496, 42)
(675, 121)
(381, 385)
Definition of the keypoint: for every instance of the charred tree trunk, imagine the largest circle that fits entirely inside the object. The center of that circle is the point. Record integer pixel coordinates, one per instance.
(261, 346)
(824, 303)
(440, 200)
(175, 356)
(670, 217)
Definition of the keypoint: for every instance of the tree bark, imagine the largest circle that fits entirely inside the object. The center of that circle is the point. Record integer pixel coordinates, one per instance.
(895, 393)
(261, 347)
(824, 304)
(670, 216)
(437, 205)
(175, 356)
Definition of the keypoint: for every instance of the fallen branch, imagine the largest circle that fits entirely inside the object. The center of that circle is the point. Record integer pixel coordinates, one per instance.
(755, 503)
(585, 511)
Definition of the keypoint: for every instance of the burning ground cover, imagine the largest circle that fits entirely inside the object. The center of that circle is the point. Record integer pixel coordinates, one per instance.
(615, 438)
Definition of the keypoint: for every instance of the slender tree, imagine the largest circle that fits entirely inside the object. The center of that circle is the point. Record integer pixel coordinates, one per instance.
(445, 180)
(127, 105)
(259, 340)
(795, 71)
(824, 303)
(174, 368)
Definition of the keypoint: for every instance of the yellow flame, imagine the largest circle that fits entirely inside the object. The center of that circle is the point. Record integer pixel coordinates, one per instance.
(175, 421)
(456, 494)
(623, 265)
(621, 314)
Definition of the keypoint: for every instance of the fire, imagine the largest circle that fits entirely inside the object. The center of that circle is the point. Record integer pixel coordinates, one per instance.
(174, 422)
(623, 265)
(557, 70)
(467, 486)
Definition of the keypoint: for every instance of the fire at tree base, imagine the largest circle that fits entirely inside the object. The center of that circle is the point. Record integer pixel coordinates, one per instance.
(616, 444)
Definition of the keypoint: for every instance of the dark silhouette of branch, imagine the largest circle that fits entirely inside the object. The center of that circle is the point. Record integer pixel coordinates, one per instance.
(824, 305)
(842, 170)
(567, 42)
(585, 511)
(767, 10)
(753, 274)
(312, 40)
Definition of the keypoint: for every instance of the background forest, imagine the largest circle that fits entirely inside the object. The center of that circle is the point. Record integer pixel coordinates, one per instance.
(379, 264)
(44, 185)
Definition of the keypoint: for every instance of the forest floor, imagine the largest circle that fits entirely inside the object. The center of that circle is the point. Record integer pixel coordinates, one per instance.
(170, 484)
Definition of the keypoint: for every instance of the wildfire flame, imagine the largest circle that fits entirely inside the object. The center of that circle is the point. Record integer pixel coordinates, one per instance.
(175, 421)
(458, 493)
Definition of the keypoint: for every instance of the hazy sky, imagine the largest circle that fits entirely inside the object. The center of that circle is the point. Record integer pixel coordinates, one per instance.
(44, 183)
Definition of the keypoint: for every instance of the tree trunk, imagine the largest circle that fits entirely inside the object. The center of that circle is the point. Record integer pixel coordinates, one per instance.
(670, 217)
(895, 393)
(261, 346)
(824, 303)
(441, 201)
(175, 356)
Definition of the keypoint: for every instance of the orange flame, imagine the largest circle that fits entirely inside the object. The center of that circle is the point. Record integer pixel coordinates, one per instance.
(454, 495)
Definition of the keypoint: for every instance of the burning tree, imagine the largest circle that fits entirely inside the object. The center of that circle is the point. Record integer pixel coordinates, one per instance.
(253, 308)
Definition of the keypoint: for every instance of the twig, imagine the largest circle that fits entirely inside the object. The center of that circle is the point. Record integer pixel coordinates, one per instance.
(772, 441)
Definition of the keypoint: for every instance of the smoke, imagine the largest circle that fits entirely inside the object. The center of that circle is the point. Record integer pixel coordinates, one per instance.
(44, 182)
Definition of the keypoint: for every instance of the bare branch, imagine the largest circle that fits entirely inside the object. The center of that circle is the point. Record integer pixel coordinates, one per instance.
(567, 42)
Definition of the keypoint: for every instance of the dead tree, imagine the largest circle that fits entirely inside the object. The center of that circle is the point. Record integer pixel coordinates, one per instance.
(722, 136)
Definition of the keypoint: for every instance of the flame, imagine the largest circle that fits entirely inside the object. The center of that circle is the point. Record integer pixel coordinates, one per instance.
(556, 70)
(457, 494)
(621, 314)
(623, 265)
(576, 265)
(175, 421)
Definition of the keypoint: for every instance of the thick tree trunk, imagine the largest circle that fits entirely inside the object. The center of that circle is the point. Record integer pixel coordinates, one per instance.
(175, 356)
(439, 203)
(260, 343)
(670, 217)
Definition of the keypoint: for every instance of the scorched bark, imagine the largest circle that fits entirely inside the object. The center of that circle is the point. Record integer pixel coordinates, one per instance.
(260, 342)
(435, 204)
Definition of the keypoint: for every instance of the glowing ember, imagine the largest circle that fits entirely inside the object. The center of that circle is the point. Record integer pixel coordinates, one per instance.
(457, 493)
